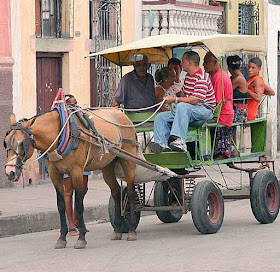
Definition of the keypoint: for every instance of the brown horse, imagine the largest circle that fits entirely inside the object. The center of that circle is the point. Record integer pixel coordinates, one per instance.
(41, 131)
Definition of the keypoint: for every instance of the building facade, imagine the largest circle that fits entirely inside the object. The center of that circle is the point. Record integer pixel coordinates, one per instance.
(46, 42)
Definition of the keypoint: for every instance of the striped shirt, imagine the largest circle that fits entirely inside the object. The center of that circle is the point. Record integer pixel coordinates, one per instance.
(199, 86)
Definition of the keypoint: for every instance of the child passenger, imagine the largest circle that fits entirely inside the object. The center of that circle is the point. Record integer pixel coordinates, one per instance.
(256, 87)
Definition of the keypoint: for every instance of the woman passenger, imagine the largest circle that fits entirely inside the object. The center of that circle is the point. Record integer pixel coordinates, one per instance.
(165, 78)
(240, 90)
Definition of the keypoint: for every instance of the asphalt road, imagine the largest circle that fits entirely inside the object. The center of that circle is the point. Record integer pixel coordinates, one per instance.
(242, 244)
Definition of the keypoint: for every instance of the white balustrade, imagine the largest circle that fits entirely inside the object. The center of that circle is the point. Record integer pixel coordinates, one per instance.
(179, 19)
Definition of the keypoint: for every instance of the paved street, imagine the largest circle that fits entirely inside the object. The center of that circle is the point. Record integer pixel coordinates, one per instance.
(241, 245)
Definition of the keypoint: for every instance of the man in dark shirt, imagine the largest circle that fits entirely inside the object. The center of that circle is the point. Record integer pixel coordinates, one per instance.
(136, 89)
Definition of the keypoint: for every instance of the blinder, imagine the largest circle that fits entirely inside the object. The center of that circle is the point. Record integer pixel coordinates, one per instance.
(26, 143)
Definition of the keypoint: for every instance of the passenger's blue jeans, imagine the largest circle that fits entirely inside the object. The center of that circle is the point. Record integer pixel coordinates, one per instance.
(167, 124)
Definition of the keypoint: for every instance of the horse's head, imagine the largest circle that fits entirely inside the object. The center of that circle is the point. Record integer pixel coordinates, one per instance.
(19, 144)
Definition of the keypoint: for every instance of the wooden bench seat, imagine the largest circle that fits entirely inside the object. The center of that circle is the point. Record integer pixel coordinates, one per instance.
(214, 124)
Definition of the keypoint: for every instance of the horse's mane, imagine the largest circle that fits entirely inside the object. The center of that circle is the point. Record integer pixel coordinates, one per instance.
(23, 120)
(35, 116)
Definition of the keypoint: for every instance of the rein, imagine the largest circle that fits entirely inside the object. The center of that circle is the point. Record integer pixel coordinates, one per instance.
(31, 136)
(128, 126)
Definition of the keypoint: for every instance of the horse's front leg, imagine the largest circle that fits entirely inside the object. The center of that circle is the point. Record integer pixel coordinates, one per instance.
(129, 172)
(58, 184)
(80, 191)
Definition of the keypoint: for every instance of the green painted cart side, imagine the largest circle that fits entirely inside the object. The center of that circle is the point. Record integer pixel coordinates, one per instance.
(200, 137)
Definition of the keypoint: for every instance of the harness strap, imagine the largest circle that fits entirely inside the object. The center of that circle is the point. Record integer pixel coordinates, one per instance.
(82, 119)
(90, 124)
(127, 141)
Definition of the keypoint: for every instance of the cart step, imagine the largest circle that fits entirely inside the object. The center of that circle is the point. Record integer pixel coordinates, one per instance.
(189, 187)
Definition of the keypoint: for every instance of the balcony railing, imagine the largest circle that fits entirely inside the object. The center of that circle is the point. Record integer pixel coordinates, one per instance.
(161, 17)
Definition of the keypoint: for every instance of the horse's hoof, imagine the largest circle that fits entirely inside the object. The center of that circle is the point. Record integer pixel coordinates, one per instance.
(80, 244)
(116, 236)
(132, 236)
(60, 244)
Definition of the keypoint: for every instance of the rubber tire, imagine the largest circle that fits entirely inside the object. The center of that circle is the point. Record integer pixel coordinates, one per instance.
(161, 193)
(206, 191)
(111, 211)
(259, 193)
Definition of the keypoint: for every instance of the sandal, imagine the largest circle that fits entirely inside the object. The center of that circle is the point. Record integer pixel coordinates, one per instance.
(74, 232)
(78, 228)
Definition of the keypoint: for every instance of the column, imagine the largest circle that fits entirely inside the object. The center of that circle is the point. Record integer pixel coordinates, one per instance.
(164, 23)
(155, 30)
(6, 79)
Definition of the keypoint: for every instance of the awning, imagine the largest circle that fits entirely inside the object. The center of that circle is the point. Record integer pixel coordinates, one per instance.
(159, 48)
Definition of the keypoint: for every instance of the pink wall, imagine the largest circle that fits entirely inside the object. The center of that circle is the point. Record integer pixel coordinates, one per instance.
(5, 31)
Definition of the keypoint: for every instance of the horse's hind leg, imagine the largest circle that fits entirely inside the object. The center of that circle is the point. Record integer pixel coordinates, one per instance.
(129, 172)
(110, 179)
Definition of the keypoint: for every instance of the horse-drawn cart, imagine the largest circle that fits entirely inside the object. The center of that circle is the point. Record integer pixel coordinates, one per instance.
(79, 139)
(185, 192)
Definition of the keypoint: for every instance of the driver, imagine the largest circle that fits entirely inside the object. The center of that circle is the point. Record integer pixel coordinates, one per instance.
(137, 88)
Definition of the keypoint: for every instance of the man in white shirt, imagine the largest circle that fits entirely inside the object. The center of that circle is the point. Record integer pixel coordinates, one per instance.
(179, 82)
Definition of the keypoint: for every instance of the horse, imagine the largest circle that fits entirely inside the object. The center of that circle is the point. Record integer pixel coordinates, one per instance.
(41, 131)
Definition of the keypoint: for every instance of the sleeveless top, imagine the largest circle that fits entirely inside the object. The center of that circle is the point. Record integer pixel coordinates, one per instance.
(253, 105)
(170, 92)
(239, 98)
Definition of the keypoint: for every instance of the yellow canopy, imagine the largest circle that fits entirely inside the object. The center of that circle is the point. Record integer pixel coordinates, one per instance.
(159, 48)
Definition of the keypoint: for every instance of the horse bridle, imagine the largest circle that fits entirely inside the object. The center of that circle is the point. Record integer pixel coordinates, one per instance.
(27, 143)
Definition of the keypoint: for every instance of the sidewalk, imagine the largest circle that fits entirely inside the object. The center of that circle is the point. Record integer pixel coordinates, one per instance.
(33, 208)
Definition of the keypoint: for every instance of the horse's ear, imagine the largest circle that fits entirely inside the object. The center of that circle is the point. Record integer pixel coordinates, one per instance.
(13, 119)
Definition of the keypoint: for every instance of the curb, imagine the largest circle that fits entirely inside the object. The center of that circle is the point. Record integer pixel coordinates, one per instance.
(44, 221)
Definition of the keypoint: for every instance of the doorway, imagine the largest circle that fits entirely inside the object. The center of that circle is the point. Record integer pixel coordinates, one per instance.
(49, 79)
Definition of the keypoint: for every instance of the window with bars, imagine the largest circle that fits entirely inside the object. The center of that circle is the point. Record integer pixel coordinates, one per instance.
(105, 31)
(54, 18)
(105, 21)
(248, 18)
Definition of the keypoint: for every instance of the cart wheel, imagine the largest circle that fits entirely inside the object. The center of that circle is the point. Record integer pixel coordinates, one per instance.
(264, 196)
(207, 207)
(125, 218)
(163, 196)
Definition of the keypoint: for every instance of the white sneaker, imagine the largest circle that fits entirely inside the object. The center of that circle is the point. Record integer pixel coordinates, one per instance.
(158, 148)
(179, 145)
